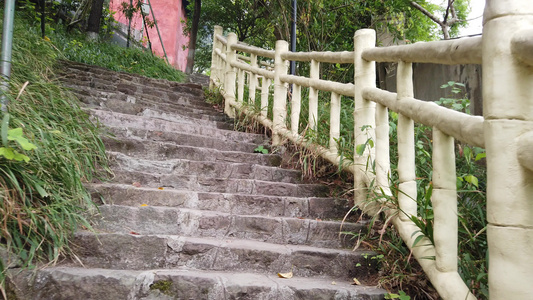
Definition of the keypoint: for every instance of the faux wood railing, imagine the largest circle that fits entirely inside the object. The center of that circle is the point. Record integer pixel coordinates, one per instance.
(506, 131)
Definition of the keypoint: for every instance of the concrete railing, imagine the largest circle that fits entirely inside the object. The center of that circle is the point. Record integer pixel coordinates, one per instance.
(506, 131)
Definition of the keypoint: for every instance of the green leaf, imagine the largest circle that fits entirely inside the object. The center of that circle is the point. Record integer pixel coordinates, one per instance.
(472, 180)
(40, 190)
(20, 157)
(481, 156)
(360, 149)
(7, 153)
(417, 240)
(16, 135)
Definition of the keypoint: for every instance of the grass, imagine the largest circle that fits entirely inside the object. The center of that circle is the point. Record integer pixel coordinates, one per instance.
(44, 198)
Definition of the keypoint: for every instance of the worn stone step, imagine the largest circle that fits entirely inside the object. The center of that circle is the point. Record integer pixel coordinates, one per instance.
(221, 185)
(75, 69)
(171, 103)
(184, 139)
(141, 252)
(275, 206)
(190, 222)
(160, 150)
(203, 168)
(160, 129)
(62, 283)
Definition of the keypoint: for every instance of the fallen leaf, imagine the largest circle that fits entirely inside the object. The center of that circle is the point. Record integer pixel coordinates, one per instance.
(355, 281)
(133, 232)
(333, 282)
(161, 188)
(136, 184)
(319, 220)
(285, 275)
(144, 204)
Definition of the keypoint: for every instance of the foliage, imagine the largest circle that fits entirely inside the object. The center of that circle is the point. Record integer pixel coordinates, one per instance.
(453, 14)
(43, 196)
(322, 25)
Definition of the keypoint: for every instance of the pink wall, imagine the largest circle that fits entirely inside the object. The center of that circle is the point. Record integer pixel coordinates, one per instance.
(169, 15)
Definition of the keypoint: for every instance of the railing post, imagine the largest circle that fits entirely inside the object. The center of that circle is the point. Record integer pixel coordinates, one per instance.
(508, 112)
(215, 60)
(406, 146)
(229, 83)
(364, 110)
(280, 92)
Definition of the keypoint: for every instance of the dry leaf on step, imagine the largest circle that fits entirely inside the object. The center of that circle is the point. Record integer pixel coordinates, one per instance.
(355, 281)
(285, 275)
(161, 188)
(136, 184)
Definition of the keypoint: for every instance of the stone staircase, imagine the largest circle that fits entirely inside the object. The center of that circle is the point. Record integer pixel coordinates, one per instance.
(194, 213)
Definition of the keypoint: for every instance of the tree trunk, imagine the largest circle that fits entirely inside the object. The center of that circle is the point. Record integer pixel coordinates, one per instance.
(193, 35)
(93, 24)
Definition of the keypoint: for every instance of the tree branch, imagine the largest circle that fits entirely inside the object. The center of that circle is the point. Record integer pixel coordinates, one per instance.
(426, 12)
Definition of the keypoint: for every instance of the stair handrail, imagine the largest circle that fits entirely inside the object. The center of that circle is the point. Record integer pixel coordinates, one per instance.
(505, 52)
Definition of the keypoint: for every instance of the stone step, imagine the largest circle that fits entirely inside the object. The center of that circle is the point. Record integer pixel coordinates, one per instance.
(172, 100)
(274, 206)
(160, 150)
(142, 252)
(147, 220)
(220, 185)
(160, 129)
(62, 283)
(212, 169)
(184, 139)
(108, 77)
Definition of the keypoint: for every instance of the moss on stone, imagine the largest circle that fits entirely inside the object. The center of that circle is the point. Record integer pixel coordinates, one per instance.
(163, 286)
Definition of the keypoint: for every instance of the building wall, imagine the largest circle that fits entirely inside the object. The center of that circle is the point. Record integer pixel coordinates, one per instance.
(169, 15)
(428, 78)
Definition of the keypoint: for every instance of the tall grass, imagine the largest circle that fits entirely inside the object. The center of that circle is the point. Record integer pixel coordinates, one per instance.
(43, 199)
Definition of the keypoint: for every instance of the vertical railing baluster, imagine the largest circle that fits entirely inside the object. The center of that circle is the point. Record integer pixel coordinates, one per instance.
(364, 110)
(296, 106)
(265, 91)
(314, 73)
(280, 92)
(253, 80)
(406, 146)
(240, 86)
(382, 148)
(444, 200)
(229, 84)
(334, 121)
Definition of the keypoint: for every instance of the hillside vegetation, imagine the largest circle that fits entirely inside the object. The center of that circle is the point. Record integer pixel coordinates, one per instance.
(50, 147)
